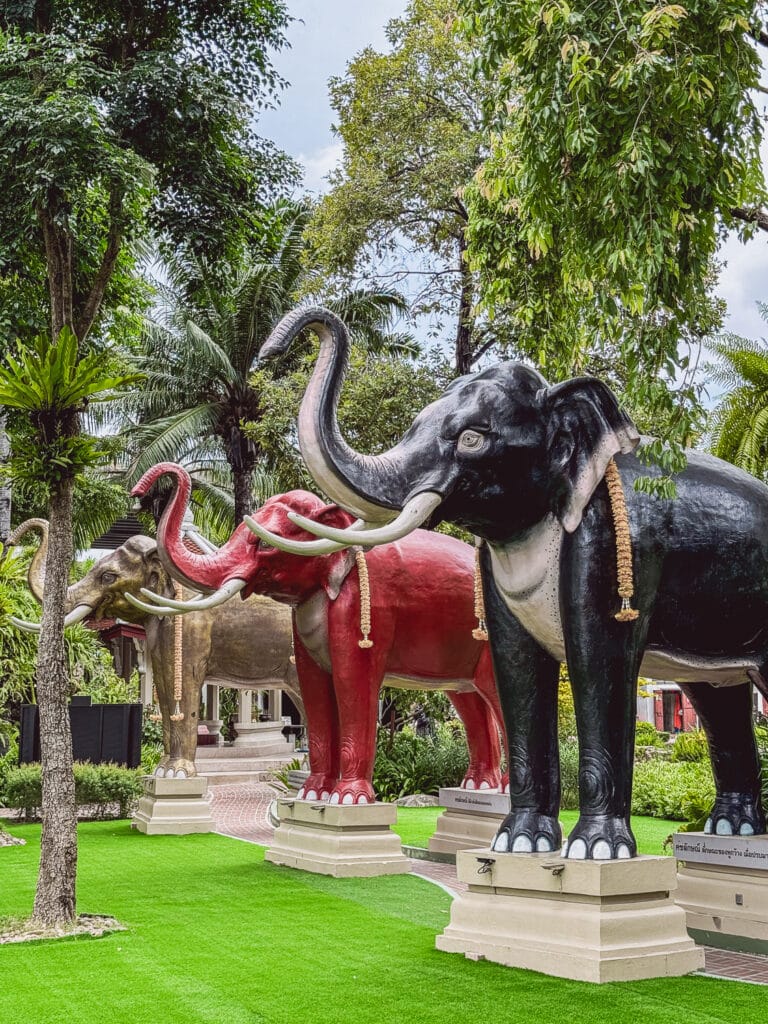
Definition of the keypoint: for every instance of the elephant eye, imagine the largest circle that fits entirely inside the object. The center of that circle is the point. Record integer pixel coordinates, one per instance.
(470, 441)
(108, 577)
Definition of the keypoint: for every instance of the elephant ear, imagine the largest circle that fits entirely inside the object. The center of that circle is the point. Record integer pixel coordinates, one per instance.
(585, 428)
(339, 564)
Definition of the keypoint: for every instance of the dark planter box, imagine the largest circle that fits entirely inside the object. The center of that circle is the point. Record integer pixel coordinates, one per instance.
(101, 733)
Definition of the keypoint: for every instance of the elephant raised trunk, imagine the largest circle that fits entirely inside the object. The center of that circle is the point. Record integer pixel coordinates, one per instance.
(36, 577)
(356, 482)
(36, 571)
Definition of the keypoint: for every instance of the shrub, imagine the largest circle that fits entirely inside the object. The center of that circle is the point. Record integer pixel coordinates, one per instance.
(690, 746)
(406, 763)
(668, 789)
(569, 775)
(646, 735)
(99, 785)
(150, 758)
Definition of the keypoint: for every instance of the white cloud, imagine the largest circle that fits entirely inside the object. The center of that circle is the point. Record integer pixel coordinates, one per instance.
(319, 164)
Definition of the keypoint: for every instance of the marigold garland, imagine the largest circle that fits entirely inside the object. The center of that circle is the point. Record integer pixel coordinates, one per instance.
(480, 632)
(623, 543)
(178, 654)
(365, 598)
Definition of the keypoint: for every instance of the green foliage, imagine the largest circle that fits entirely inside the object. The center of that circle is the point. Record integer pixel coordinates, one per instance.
(381, 396)
(738, 428)
(151, 753)
(690, 746)
(569, 775)
(666, 789)
(632, 140)
(10, 758)
(97, 503)
(50, 385)
(646, 735)
(198, 351)
(151, 731)
(406, 763)
(410, 123)
(96, 785)
(566, 713)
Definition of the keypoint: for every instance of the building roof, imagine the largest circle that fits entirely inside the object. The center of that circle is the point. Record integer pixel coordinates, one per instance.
(118, 533)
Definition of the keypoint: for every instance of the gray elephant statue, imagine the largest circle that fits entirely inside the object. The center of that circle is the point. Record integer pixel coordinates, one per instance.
(242, 643)
(545, 475)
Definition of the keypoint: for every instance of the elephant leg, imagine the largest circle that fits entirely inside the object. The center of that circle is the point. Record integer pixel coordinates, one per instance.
(486, 687)
(482, 740)
(725, 714)
(603, 658)
(526, 677)
(317, 694)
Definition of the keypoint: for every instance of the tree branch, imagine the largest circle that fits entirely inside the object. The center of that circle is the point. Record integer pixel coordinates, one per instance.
(106, 268)
(753, 216)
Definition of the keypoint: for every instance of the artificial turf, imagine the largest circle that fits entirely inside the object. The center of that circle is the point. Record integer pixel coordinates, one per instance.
(415, 826)
(218, 936)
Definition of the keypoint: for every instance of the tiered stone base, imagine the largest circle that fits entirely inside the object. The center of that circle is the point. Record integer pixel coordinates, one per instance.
(262, 739)
(175, 807)
(593, 921)
(471, 819)
(346, 841)
(723, 888)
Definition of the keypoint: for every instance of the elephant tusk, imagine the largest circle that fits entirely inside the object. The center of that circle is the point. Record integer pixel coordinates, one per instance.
(22, 624)
(82, 611)
(153, 609)
(299, 547)
(413, 515)
(223, 594)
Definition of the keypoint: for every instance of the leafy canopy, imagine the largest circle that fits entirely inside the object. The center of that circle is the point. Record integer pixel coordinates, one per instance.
(50, 386)
(625, 138)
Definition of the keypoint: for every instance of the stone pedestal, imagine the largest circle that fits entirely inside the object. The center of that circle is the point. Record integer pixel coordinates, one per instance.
(174, 807)
(346, 841)
(262, 738)
(593, 921)
(471, 819)
(214, 725)
(723, 888)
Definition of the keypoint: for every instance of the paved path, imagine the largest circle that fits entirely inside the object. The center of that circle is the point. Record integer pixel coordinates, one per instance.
(241, 811)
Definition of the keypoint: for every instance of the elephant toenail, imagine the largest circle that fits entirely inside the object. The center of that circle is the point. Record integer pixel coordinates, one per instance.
(601, 850)
(543, 845)
(577, 850)
(522, 844)
(501, 842)
(724, 828)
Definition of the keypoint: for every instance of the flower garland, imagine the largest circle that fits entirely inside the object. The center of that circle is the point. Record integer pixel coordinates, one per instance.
(480, 632)
(365, 598)
(623, 543)
(178, 654)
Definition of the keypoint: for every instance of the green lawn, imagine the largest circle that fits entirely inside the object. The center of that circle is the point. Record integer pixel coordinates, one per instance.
(415, 825)
(216, 936)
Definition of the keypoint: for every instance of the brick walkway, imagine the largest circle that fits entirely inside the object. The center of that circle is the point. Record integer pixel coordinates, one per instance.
(241, 811)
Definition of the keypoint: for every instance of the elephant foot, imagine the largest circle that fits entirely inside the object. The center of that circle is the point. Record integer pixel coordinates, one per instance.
(353, 791)
(175, 768)
(481, 778)
(527, 831)
(736, 814)
(318, 787)
(600, 837)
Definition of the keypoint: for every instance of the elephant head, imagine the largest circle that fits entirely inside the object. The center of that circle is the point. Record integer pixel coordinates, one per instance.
(100, 594)
(493, 436)
(244, 564)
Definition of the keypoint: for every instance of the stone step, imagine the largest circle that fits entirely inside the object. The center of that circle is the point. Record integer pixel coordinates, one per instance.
(217, 753)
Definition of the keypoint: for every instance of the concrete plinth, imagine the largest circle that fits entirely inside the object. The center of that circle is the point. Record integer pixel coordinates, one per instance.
(346, 841)
(723, 889)
(262, 739)
(471, 819)
(175, 807)
(593, 921)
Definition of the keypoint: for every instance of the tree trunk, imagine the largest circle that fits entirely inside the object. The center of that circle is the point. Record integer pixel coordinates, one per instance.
(5, 487)
(242, 480)
(466, 319)
(55, 893)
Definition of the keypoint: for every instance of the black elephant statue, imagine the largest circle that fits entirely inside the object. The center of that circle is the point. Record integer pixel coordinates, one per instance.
(523, 465)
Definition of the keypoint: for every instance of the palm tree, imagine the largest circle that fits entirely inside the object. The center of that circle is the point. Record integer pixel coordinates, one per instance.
(739, 428)
(199, 348)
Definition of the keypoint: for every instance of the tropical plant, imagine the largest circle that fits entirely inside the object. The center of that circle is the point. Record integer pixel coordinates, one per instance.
(199, 348)
(738, 428)
(624, 138)
(407, 763)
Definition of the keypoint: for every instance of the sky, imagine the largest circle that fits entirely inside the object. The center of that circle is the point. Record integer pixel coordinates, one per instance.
(329, 33)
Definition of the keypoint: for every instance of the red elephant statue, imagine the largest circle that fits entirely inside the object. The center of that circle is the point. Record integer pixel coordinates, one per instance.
(414, 599)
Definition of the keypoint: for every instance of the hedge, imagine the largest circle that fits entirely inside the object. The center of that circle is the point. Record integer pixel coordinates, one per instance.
(99, 785)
